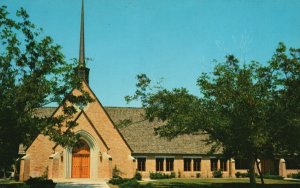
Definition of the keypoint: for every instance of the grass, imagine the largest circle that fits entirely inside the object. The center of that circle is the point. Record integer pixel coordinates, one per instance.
(221, 183)
(113, 186)
(8, 183)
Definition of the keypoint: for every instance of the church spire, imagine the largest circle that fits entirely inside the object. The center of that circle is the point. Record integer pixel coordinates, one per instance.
(81, 46)
(82, 71)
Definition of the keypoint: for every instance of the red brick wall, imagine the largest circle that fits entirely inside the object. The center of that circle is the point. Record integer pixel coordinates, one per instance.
(41, 148)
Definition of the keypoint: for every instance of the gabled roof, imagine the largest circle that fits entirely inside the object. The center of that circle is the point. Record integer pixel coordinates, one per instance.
(139, 134)
(44, 112)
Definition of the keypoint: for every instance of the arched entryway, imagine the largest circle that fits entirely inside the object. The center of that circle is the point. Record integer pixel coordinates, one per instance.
(94, 149)
(81, 160)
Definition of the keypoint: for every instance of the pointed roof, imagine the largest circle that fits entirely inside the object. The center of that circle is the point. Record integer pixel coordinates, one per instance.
(81, 70)
(81, 46)
(140, 136)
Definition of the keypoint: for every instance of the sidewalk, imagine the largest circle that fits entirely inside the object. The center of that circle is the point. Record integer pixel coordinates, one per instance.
(79, 183)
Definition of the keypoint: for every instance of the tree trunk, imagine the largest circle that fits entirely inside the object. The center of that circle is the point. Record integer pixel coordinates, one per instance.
(4, 173)
(252, 173)
(259, 171)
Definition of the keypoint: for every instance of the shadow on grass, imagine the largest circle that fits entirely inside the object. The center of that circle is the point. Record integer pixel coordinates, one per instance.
(224, 185)
(14, 185)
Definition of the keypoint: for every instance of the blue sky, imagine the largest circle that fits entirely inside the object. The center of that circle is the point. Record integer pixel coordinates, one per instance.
(173, 39)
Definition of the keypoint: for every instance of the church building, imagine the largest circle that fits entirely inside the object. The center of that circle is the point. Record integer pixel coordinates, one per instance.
(130, 149)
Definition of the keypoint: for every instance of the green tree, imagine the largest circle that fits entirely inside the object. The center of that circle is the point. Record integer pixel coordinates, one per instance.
(236, 107)
(285, 112)
(33, 74)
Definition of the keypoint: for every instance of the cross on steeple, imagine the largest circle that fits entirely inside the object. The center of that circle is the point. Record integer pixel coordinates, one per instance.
(81, 70)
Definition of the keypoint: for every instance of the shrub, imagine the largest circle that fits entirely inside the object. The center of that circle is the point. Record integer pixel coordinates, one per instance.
(198, 175)
(159, 175)
(244, 175)
(179, 174)
(156, 175)
(40, 182)
(16, 177)
(270, 176)
(116, 172)
(118, 180)
(173, 175)
(217, 174)
(294, 176)
(138, 176)
(7, 174)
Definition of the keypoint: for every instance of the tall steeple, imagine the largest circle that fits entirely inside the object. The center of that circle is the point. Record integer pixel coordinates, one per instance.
(82, 71)
(81, 45)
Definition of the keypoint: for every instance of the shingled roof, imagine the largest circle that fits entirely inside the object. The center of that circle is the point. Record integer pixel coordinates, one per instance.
(44, 112)
(139, 134)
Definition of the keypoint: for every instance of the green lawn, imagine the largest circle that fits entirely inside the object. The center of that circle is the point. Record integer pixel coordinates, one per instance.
(221, 183)
(7, 183)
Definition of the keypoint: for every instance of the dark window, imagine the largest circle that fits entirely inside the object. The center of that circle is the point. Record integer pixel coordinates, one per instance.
(169, 164)
(213, 164)
(197, 164)
(141, 163)
(292, 163)
(223, 164)
(187, 164)
(241, 164)
(159, 164)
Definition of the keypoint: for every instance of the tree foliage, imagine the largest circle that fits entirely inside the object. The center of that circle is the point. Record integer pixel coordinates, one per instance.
(285, 114)
(33, 74)
(249, 110)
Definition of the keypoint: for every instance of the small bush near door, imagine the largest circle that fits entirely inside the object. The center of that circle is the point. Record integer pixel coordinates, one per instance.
(138, 176)
(159, 175)
(217, 174)
(39, 182)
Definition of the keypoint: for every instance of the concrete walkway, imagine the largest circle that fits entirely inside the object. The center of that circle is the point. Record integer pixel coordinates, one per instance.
(80, 183)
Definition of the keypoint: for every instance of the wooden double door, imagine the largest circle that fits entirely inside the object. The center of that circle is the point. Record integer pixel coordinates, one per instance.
(81, 161)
